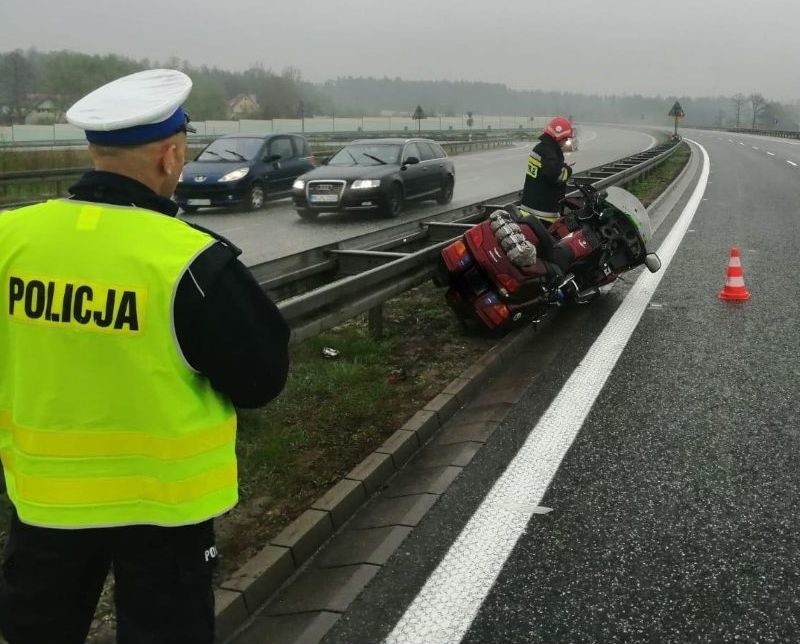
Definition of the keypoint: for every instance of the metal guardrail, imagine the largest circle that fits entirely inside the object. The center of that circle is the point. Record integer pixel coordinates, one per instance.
(325, 286)
(321, 149)
(781, 134)
(26, 176)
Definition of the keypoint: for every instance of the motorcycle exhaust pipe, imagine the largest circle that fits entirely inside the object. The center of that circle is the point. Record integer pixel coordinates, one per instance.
(521, 306)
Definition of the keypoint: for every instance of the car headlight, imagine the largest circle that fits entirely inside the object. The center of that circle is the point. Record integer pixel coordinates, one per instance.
(298, 184)
(235, 175)
(360, 184)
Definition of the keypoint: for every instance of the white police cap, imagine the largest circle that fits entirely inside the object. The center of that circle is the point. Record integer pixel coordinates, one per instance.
(135, 109)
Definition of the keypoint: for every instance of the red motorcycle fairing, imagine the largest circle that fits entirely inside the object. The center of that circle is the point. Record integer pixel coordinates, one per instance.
(485, 282)
(491, 258)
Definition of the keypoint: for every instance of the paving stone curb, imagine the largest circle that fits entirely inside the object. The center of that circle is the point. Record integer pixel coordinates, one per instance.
(238, 597)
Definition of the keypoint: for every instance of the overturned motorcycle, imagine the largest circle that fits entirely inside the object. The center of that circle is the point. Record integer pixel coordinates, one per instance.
(510, 268)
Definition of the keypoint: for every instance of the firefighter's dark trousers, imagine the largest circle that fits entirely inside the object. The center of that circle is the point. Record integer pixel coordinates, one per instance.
(52, 579)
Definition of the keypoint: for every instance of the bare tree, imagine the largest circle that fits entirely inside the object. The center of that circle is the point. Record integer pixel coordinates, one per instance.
(16, 83)
(759, 104)
(738, 103)
(774, 115)
(418, 115)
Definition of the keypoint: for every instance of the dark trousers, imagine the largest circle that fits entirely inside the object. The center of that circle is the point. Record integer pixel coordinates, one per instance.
(52, 579)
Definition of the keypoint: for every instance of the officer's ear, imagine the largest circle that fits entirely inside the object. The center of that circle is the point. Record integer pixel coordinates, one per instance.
(171, 155)
(169, 159)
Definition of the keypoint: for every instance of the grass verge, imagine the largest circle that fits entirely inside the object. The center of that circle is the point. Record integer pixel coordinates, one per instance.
(650, 186)
(334, 412)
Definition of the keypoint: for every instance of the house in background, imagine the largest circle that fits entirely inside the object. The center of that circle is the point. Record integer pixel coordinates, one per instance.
(243, 106)
(44, 111)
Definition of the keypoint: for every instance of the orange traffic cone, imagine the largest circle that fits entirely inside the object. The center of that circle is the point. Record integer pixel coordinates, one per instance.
(734, 288)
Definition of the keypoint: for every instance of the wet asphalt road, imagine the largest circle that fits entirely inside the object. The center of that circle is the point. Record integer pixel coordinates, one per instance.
(675, 512)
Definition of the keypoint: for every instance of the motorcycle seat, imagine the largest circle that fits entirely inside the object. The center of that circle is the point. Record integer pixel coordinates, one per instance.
(549, 248)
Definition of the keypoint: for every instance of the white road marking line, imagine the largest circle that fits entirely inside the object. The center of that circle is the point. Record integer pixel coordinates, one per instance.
(447, 604)
(772, 154)
(740, 143)
(791, 162)
(755, 148)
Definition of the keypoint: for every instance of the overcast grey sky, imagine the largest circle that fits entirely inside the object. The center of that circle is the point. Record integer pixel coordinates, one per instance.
(682, 47)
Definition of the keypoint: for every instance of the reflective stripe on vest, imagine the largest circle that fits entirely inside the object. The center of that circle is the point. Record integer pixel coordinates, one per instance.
(102, 422)
(534, 165)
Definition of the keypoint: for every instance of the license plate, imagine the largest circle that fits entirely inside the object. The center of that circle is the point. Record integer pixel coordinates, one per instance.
(476, 282)
(198, 202)
(324, 198)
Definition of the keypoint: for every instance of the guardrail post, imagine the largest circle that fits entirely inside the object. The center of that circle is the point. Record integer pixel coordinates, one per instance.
(376, 321)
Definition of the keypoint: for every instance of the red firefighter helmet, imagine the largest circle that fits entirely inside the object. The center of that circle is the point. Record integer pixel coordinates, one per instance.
(559, 128)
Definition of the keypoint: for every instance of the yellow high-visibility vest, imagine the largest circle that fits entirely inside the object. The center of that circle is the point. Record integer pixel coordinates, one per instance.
(102, 420)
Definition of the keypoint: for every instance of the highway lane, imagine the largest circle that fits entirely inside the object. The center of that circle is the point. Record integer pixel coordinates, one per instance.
(276, 230)
(676, 510)
(782, 150)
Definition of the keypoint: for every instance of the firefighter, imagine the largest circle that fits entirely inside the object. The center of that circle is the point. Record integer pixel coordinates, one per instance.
(547, 175)
(127, 339)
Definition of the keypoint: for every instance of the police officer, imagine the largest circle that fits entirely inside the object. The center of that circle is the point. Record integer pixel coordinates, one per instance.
(547, 175)
(127, 337)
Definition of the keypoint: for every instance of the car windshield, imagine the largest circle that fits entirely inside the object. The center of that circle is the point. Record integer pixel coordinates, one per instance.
(367, 154)
(233, 149)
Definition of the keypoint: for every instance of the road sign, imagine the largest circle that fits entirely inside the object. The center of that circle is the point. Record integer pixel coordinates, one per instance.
(677, 111)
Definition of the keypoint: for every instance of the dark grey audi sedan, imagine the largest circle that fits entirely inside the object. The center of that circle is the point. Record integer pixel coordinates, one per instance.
(376, 174)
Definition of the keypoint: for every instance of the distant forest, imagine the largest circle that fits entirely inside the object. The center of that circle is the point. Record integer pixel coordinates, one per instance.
(38, 87)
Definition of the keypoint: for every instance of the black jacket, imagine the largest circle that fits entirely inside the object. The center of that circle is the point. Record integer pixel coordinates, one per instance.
(545, 184)
(227, 328)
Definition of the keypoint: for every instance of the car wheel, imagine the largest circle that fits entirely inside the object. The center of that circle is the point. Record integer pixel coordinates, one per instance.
(394, 200)
(446, 193)
(307, 214)
(189, 209)
(255, 197)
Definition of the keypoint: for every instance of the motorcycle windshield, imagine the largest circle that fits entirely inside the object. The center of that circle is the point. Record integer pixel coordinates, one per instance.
(630, 206)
